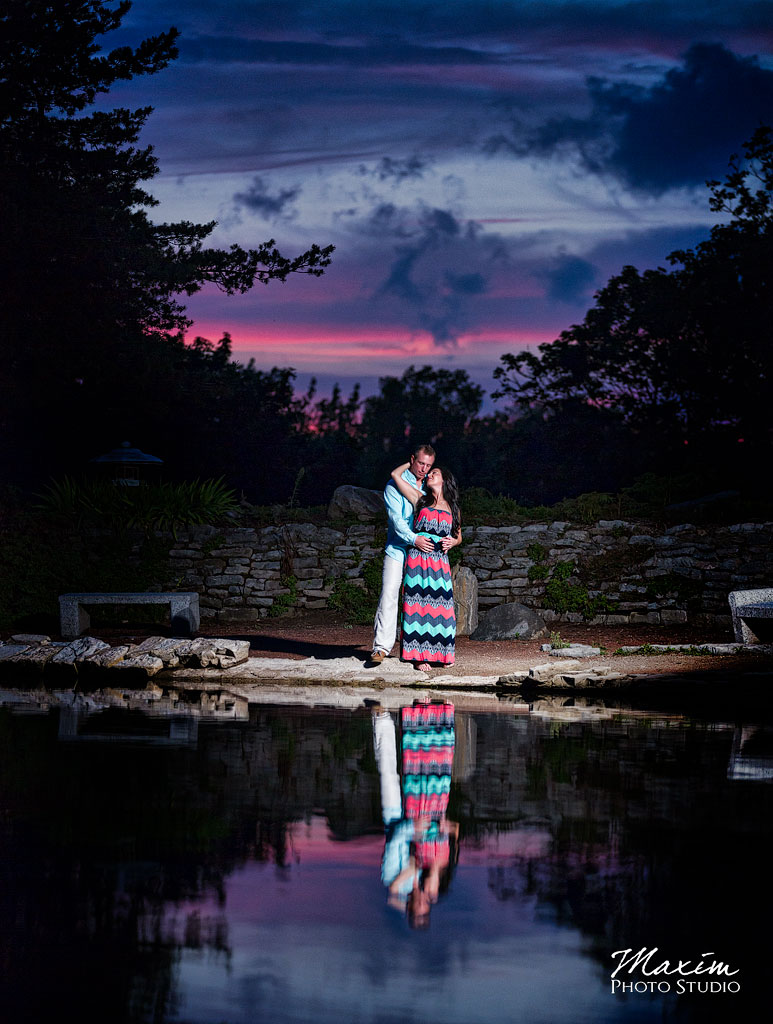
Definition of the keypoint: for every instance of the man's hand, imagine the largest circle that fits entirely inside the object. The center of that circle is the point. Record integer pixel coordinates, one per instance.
(424, 544)
(448, 543)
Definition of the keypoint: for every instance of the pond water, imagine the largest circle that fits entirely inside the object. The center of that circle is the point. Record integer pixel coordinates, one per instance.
(174, 869)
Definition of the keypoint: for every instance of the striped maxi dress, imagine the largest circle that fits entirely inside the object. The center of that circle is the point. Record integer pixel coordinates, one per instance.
(428, 755)
(429, 620)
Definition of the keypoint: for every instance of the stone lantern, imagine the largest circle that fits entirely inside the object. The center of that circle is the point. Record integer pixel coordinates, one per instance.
(127, 466)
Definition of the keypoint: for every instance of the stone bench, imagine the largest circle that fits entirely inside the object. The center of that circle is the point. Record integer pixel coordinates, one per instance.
(183, 610)
(750, 608)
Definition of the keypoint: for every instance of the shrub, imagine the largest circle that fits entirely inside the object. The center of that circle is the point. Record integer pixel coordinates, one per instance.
(164, 506)
(356, 603)
(39, 561)
(561, 595)
(284, 602)
(557, 643)
(538, 571)
(685, 589)
(352, 602)
(537, 552)
(479, 505)
(563, 570)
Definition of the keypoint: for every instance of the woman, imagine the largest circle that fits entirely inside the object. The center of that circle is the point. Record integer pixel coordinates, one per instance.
(429, 621)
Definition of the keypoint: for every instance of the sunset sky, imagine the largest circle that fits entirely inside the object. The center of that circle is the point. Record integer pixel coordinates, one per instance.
(482, 166)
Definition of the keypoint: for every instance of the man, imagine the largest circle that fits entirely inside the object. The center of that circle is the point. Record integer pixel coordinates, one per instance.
(400, 536)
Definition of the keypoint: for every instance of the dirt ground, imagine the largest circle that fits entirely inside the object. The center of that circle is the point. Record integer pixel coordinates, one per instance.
(323, 635)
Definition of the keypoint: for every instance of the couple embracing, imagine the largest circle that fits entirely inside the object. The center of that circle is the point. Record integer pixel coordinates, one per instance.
(422, 502)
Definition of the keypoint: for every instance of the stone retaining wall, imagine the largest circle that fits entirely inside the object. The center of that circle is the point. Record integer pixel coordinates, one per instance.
(636, 574)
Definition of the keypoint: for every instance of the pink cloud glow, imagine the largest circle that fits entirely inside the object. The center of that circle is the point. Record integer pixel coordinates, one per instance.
(366, 348)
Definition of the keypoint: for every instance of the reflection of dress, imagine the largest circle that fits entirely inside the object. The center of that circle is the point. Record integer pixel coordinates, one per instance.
(413, 818)
(429, 621)
(428, 755)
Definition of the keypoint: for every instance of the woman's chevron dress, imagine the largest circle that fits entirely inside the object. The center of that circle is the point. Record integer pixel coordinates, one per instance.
(428, 755)
(429, 620)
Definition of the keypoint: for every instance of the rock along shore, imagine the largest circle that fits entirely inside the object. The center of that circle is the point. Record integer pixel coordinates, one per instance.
(35, 662)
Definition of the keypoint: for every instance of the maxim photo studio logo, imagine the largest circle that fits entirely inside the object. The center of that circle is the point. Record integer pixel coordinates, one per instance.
(646, 971)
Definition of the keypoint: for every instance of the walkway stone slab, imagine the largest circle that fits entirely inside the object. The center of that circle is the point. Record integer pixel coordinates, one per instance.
(333, 671)
(576, 651)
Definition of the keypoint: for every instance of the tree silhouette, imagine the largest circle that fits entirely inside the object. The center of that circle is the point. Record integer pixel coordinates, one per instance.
(683, 352)
(425, 405)
(87, 276)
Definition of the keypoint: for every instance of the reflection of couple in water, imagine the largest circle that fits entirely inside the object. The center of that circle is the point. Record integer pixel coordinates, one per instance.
(421, 843)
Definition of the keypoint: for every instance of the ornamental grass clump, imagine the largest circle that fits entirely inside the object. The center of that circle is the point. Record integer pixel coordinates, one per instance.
(102, 504)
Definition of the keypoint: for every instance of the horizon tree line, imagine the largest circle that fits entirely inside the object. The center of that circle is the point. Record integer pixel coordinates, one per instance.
(668, 372)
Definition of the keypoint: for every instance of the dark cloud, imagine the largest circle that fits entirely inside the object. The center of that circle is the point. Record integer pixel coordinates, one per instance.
(257, 199)
(466, 284)
(264, 86)
(396, 169)
(388, 220)
(363, 80)
(426, 225)
(443, 22)
(569, 278)
(430, 269)
(441, 222)
(387, 50)
(399, 282)
(678, 132)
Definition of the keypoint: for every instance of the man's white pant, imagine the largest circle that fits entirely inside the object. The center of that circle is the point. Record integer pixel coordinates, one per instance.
(385, 749)
(385, 630)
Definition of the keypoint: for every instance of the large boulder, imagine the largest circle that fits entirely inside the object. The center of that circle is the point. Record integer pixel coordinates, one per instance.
(465, 600)
(366, 506)
(510, 622)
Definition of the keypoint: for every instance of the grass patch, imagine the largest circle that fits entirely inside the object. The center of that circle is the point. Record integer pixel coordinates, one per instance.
(647, 650)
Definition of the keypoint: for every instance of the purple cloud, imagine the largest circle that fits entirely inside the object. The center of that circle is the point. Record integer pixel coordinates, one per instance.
(678, 132)
(257, 199)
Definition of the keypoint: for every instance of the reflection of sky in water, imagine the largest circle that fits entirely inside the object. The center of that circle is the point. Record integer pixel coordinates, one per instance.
(316, 942)
(237, 879)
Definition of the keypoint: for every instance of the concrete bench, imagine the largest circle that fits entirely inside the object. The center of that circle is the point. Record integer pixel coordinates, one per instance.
(183, 610)
(750, 609)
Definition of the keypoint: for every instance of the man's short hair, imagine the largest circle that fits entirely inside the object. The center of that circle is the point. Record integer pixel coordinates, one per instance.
(426, 448)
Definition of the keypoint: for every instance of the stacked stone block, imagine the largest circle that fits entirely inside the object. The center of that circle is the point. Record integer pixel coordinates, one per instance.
(242, 573)
(653, 576)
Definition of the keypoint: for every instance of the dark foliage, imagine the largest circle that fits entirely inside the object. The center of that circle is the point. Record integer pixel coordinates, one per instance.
(679, 356)
(668, 372)
(91, 309)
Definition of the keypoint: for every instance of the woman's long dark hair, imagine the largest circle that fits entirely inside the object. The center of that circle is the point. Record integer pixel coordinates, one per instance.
(450, 495)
